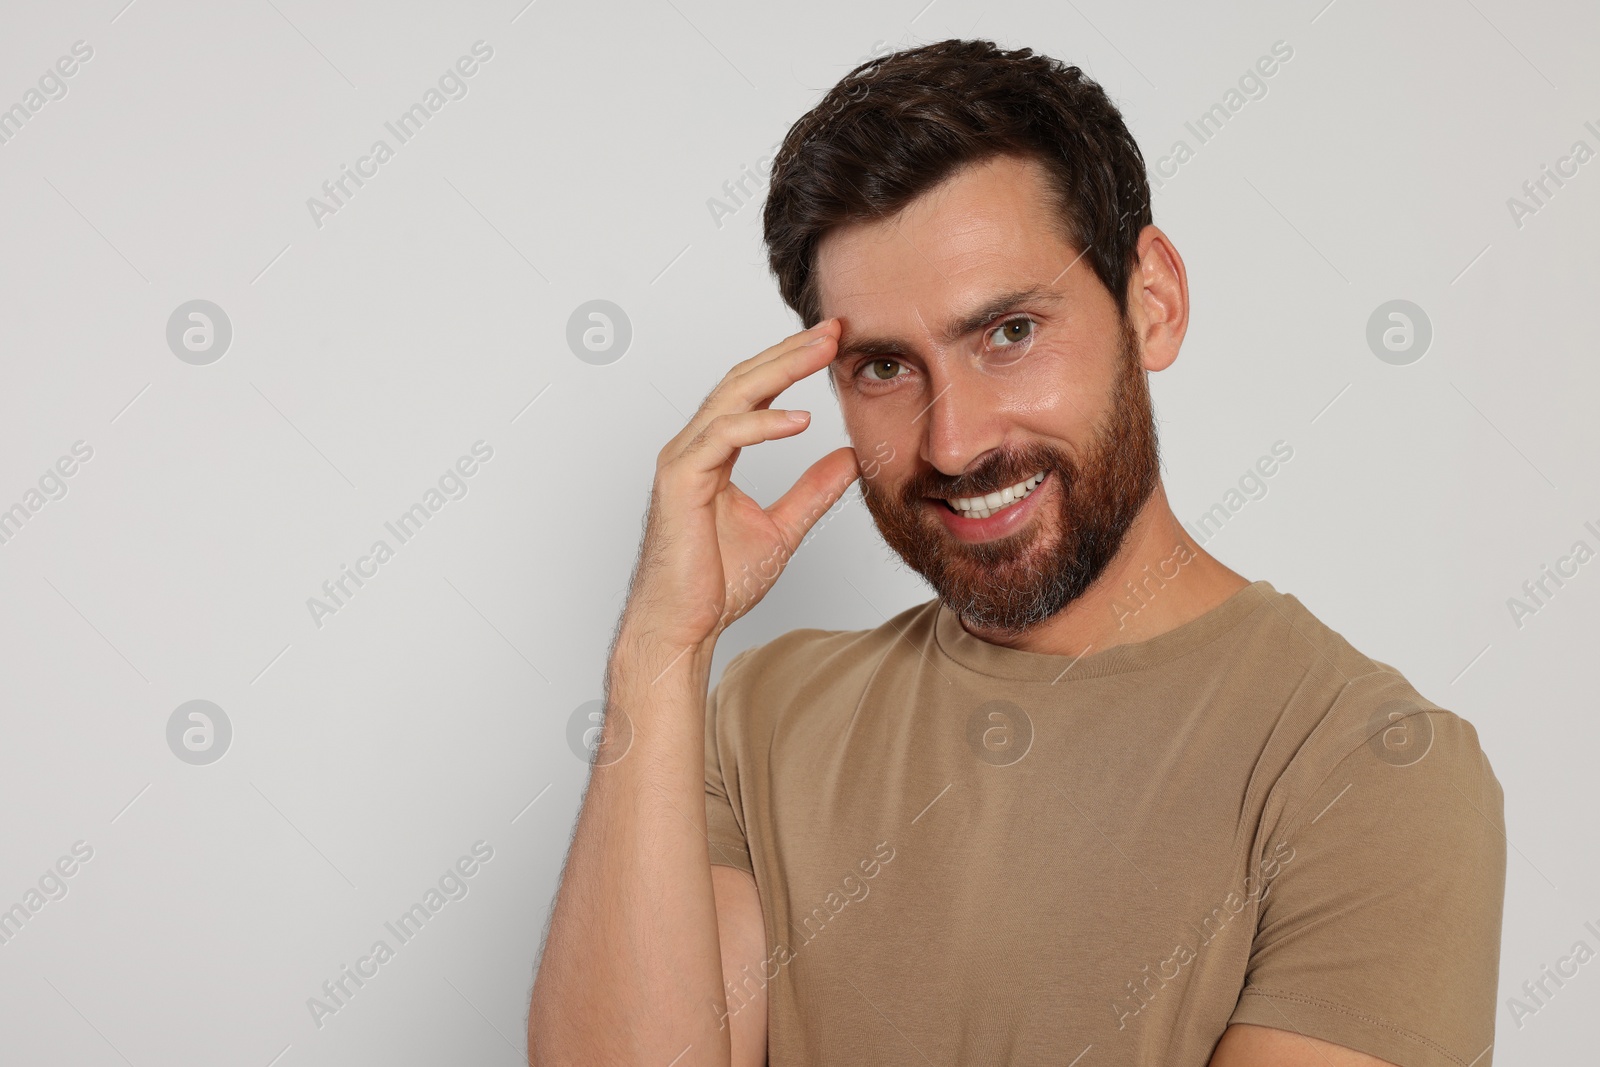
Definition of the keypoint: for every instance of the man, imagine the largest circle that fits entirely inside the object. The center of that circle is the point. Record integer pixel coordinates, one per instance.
(1102, 800)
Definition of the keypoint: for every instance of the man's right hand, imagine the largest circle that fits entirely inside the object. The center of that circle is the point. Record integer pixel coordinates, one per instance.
(710, 552)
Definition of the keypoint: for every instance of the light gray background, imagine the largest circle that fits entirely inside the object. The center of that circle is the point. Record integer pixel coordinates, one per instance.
(431, 311)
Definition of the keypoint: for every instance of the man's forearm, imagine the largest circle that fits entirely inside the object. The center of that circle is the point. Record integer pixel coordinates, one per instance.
(631, 971)
(632, 967)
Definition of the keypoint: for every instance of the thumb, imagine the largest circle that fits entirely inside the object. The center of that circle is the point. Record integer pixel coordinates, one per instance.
(814, 492)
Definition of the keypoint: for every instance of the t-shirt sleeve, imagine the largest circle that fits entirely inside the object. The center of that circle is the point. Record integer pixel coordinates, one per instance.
(1381, 929)
(724, 822)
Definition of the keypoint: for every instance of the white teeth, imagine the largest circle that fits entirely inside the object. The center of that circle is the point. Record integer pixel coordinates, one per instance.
(981, 507)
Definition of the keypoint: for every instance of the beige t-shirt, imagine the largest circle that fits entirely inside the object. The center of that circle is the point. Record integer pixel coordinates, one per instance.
(969, 854)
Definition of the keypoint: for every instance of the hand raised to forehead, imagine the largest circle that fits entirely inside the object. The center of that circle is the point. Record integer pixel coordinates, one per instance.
(710, 552)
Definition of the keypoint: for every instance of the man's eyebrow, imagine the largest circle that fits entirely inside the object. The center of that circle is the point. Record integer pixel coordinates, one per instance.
(851, 347)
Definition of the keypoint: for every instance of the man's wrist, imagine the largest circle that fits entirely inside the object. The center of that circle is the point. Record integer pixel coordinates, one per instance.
(640, 664)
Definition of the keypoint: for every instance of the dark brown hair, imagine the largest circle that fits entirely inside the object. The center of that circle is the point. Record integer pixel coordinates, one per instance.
(897, 125)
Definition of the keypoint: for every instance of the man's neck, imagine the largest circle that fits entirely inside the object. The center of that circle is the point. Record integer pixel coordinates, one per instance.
(1158, 580)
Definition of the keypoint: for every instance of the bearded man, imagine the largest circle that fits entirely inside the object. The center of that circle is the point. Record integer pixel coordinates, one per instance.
(1101, 800)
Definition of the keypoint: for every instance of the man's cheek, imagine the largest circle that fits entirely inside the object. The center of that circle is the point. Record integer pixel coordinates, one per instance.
(874, 464)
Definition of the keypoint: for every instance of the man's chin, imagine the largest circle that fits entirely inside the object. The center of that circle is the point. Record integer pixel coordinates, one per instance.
(1004, 585)
(980, 610)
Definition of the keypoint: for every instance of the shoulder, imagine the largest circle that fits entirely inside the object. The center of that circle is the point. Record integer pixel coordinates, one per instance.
(1377, 733)
(769, 680)
(1302, 638)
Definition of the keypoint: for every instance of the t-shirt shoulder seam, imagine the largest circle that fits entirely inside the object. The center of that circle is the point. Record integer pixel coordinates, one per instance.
(810, 635)
(1292, 817)
(1328, 641)
(1373, 1020)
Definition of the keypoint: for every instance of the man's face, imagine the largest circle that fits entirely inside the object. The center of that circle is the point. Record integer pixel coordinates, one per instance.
(978, 351)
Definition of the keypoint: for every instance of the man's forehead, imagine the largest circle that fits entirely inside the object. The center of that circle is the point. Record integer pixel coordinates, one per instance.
(943, 241)
(990, 229)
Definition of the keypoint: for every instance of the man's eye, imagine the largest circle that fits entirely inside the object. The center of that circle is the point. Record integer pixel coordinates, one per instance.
(890, 367)
(1011, 332)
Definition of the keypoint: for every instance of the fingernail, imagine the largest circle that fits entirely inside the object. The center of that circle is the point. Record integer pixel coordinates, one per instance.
(799, 416)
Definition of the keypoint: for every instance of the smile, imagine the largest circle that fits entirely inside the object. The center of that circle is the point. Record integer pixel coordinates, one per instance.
(981, 507)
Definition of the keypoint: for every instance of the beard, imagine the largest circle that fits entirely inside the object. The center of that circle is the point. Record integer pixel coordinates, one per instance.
(1012, 583)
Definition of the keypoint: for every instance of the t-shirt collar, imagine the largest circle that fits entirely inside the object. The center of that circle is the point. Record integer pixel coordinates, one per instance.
(999, 661)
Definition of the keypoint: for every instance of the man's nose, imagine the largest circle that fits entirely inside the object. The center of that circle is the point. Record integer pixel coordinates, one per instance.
(961, 426)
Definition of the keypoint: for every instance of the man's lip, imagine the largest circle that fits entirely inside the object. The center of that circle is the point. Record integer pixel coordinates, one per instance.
(945, 499)
(999, 524)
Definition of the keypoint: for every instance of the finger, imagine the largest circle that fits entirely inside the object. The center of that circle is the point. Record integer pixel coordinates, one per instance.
(777, 368)
(727, 433)
(814, 492)
(762, 384)
(758, 388)
(737, 393)
(828, 327)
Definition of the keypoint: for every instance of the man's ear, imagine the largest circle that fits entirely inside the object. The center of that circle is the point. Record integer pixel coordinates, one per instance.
(1158, 299)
